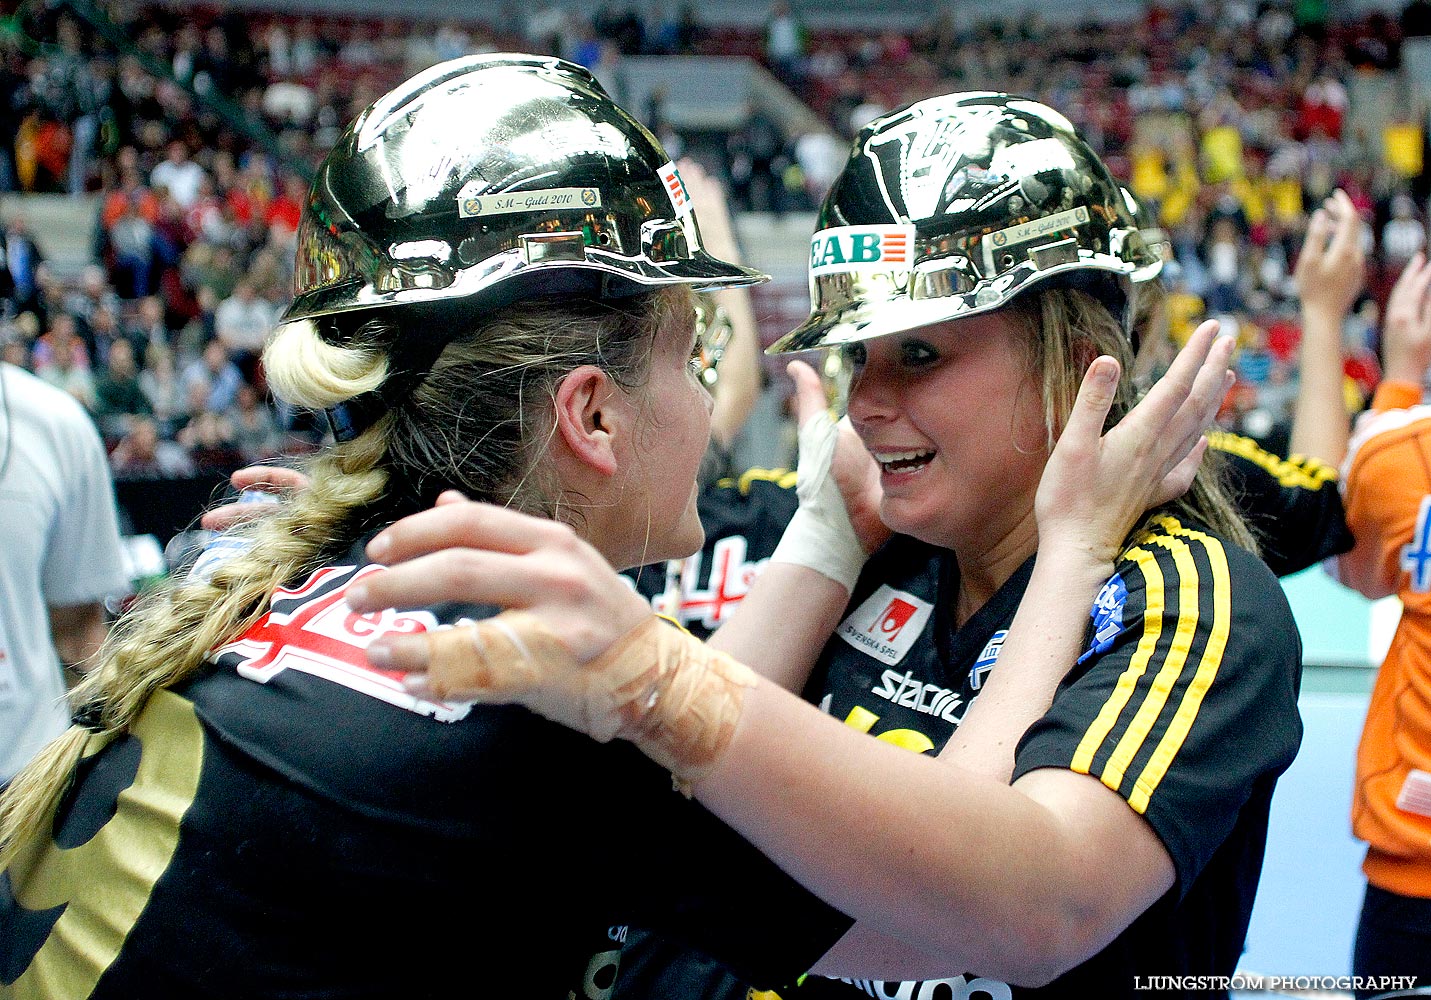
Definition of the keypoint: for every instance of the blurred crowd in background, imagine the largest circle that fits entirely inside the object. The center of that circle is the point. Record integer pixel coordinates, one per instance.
(195, 129)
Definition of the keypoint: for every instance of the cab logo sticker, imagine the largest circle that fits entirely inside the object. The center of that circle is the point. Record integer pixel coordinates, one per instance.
(987, 658)
(676, 189)
(1040, 227)
(1107, 615)
(471, 206)
(853, 248)
(886, 625)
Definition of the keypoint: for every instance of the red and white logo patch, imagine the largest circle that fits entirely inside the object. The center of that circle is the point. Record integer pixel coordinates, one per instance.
(676, 189)
(886, 625)
(310, 628)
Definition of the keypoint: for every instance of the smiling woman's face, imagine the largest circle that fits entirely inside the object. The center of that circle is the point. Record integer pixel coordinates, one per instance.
(955, 419)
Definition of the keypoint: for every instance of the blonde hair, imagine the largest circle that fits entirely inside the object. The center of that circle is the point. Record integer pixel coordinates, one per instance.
(479, 422)
(1068, 329)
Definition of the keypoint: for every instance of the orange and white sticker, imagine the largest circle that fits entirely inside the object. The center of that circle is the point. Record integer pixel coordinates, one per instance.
(676, 189)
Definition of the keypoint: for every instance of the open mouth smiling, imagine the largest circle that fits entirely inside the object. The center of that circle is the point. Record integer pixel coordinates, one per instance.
(898, 462)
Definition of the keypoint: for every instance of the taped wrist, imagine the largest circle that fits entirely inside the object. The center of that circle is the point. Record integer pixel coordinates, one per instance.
(657, 686)
(820, 535)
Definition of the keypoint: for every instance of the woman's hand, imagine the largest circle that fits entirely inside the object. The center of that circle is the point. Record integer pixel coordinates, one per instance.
(477, 553)
(852, 468)
(1097, 486)
(837, 524)
(270, 479)
(1331, 267)
(1406, 335)
(577, 646)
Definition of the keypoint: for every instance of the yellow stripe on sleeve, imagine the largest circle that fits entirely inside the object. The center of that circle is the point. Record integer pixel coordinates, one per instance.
(1096, 733)
(1298, 471)
(1172, 741)
(1172, 668)
(783, 478)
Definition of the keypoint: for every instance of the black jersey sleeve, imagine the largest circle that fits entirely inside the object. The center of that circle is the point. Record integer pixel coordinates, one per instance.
(1292, 505)
(699, 884)
(1185, 701)
(680, 871)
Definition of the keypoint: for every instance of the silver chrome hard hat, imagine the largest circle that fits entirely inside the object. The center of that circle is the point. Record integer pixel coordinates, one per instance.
(1154, 235)
(954, 205)
(494, 178)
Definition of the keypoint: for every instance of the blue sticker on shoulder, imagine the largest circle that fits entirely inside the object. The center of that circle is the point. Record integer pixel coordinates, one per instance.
(1107, 615)
(987, 658)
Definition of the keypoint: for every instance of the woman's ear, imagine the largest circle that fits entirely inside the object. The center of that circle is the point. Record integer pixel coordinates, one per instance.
(588, 416)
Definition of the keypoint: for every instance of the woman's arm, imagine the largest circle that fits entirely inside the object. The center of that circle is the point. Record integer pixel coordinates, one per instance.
(1329, 274)
(738, 387)
(1040, 874)
(795, 604)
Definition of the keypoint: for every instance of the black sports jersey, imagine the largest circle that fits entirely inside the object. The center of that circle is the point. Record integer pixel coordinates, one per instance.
(1292, 505)
(1184, 701)
(1187, 707)
(290, 822)
(743, 518)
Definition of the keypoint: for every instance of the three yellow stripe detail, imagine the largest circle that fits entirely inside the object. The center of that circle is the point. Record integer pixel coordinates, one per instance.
(1173, 667)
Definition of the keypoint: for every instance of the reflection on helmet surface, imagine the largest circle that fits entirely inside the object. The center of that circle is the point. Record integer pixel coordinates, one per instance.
(954, 205)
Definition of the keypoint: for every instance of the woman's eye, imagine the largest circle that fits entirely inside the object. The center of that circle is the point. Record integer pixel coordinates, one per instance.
(915, 352)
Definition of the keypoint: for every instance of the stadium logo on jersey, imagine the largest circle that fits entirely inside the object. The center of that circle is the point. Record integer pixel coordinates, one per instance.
(886, 625)
(1416, 555)
(311, 629)
(987, 658)
(907, 691)
(853, 248)
(1107, 615)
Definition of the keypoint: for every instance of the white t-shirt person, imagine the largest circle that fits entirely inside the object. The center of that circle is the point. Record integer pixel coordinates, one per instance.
(60, 555)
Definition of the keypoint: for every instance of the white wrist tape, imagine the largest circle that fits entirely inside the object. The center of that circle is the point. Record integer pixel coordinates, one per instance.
(658, 686)
(820, 536)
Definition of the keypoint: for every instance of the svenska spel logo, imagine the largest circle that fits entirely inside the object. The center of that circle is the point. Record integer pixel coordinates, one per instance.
(886, 624)
(892, 620)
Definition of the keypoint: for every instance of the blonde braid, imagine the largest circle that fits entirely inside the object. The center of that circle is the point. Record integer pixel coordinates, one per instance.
(166, 636)
(478, 421)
